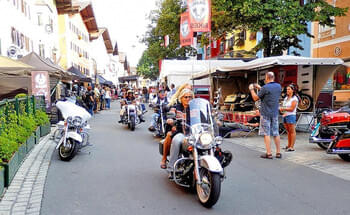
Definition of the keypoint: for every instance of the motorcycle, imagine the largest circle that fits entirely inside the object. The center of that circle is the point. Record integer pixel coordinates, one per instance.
(160, 120)
(130, 116)
(73, 132)
(305, 101)
(201, 166)
(333, 132)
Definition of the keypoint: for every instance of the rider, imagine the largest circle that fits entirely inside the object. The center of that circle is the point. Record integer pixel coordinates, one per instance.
(179, 140)
(161, 100)
(128, 100)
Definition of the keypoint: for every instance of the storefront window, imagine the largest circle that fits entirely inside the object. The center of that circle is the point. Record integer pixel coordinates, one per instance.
(342, 80)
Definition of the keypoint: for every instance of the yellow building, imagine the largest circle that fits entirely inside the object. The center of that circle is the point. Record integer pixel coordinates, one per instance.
(239, 43)
(76, 30)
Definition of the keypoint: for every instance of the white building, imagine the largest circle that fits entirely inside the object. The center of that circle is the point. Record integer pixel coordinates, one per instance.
(28, 25)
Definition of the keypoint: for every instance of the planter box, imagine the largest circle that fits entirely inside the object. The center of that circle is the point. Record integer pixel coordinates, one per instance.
(22, 152)
(2, 180)
(10, 169)
(30, 143)
(37, 135)
(45, 129)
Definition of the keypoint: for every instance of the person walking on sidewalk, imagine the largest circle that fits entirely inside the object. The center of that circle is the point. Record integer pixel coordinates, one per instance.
(289, 110)
(269, 95)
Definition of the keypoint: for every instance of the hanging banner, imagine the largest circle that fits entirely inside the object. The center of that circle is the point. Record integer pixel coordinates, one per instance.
(166, 40)
(200, 15)
(41, 85)
(186, 35)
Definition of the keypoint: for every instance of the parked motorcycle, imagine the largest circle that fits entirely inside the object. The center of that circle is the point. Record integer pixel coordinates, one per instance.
(201, 165)
(74, 132)
(130, 116)
(334, 132)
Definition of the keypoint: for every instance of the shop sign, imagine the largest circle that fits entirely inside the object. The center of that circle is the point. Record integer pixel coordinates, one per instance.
(41, 85)
(200, 15)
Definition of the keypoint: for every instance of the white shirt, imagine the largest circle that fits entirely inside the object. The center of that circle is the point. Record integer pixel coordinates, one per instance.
(287, 103)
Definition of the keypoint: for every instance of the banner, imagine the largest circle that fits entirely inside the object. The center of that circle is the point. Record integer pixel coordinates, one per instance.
(166, 40)
(200, 15)
(41, 85)
(186, 35)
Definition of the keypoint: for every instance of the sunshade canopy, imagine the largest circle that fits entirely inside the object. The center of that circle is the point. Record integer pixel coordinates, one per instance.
(78, 75)
(13, 67)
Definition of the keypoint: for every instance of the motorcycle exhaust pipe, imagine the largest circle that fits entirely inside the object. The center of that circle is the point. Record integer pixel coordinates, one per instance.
(338, 151)
(319, 140)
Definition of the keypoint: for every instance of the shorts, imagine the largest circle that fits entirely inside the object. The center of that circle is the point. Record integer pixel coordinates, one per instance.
(290, 119)
(269, 126)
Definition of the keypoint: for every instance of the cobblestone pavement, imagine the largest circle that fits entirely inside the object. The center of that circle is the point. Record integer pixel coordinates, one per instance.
(25, 193)
(306, 154)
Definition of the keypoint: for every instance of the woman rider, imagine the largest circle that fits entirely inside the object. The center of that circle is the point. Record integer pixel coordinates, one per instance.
(174, 101)
(178, 140)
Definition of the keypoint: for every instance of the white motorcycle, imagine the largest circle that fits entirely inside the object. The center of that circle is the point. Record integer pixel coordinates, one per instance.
(201, 165)
(130, 116)
(74, 131)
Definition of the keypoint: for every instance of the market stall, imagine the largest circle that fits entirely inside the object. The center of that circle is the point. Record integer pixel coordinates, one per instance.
(311, 74)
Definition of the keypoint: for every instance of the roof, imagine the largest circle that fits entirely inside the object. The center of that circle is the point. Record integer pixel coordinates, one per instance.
(268, 62)
(8, 64)
(102, 80)
(107, 41)
(115, 51)
(88, 16)
(78, 75)
(67, 6)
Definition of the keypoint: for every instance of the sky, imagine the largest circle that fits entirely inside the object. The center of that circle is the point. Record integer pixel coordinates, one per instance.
(126, 22)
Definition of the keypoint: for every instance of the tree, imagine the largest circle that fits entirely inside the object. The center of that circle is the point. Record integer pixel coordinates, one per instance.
(145, 67)
(165, 20)
(280, 21)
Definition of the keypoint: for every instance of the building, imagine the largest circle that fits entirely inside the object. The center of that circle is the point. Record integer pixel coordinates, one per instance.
(76, 30)
(332, 42)
(29, 26)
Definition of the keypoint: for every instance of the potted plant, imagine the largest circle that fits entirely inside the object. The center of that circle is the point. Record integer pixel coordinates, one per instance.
(27, 122)
(2, 180)
(9, 158)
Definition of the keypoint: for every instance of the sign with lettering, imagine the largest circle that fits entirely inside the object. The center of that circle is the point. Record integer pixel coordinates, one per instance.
(186, 35)
(200, 15)
(41, 85)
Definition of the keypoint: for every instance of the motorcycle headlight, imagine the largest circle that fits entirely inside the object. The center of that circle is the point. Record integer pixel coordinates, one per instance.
(191, 140)
(69, 120)
(219, 140)
(205, 140)
(77, 121)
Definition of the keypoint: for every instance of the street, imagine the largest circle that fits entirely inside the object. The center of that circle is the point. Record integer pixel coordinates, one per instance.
(120, 174)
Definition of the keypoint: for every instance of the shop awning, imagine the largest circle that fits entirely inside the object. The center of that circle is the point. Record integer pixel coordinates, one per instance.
(268, 62)
(41, 64)
(78, 75)
(9, 66)
(128, 78)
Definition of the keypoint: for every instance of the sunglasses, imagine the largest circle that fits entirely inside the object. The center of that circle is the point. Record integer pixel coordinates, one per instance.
(187, 97)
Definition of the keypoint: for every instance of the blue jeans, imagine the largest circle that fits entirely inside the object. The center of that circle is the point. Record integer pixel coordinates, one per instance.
(175, 148)
(269, 126)
(290, 119)
(154, 119)
(91, 110)
(108, 103)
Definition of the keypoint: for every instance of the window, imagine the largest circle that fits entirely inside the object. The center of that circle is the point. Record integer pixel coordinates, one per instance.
(40, 19)
(42, 50)
(222, 47)
(208, 51)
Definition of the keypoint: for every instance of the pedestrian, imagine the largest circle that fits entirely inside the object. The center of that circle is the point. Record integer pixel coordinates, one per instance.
(102, 98)
(145, 94)
(108, 98)
(269, 95)
(289, 110)
(89, 100)
(97, 98)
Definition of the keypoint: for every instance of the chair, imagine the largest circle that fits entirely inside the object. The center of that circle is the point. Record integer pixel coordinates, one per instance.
(241, 128)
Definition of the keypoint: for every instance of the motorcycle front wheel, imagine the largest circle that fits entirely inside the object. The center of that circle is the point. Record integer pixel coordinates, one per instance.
(132, 123)
(68, 152)
(208, 191)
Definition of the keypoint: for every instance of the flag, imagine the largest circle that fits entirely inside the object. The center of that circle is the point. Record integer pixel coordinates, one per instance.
(166, 40)
(200, 15)
(186, 35)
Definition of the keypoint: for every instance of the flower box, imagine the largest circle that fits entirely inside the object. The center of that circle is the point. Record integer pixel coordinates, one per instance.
(22, 152)
(2, 180)
(45, 129)
(37, 135)
(30, 143)
(10, 169)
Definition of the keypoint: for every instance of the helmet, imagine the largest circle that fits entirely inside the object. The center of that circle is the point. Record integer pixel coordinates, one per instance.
(130, 91)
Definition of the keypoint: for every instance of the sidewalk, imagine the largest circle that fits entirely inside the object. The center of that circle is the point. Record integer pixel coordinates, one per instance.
(25, 193)
(306, 154)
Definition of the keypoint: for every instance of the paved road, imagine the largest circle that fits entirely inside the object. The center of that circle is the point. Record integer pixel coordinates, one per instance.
(120, 174)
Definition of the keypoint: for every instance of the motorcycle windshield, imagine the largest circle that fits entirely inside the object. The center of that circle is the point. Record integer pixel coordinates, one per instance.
(200, 112)
(68, 108)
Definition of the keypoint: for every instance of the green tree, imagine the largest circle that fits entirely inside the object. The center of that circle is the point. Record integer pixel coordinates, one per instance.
(165, 20)
(281, 21)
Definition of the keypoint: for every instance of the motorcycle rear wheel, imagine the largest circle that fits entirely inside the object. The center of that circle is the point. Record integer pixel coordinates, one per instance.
(305, 103)
(208, 192)
(345, 157)
(67, 153)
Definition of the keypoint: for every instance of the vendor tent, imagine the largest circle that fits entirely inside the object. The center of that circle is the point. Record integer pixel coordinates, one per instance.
(102, 80)
(14, 77)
